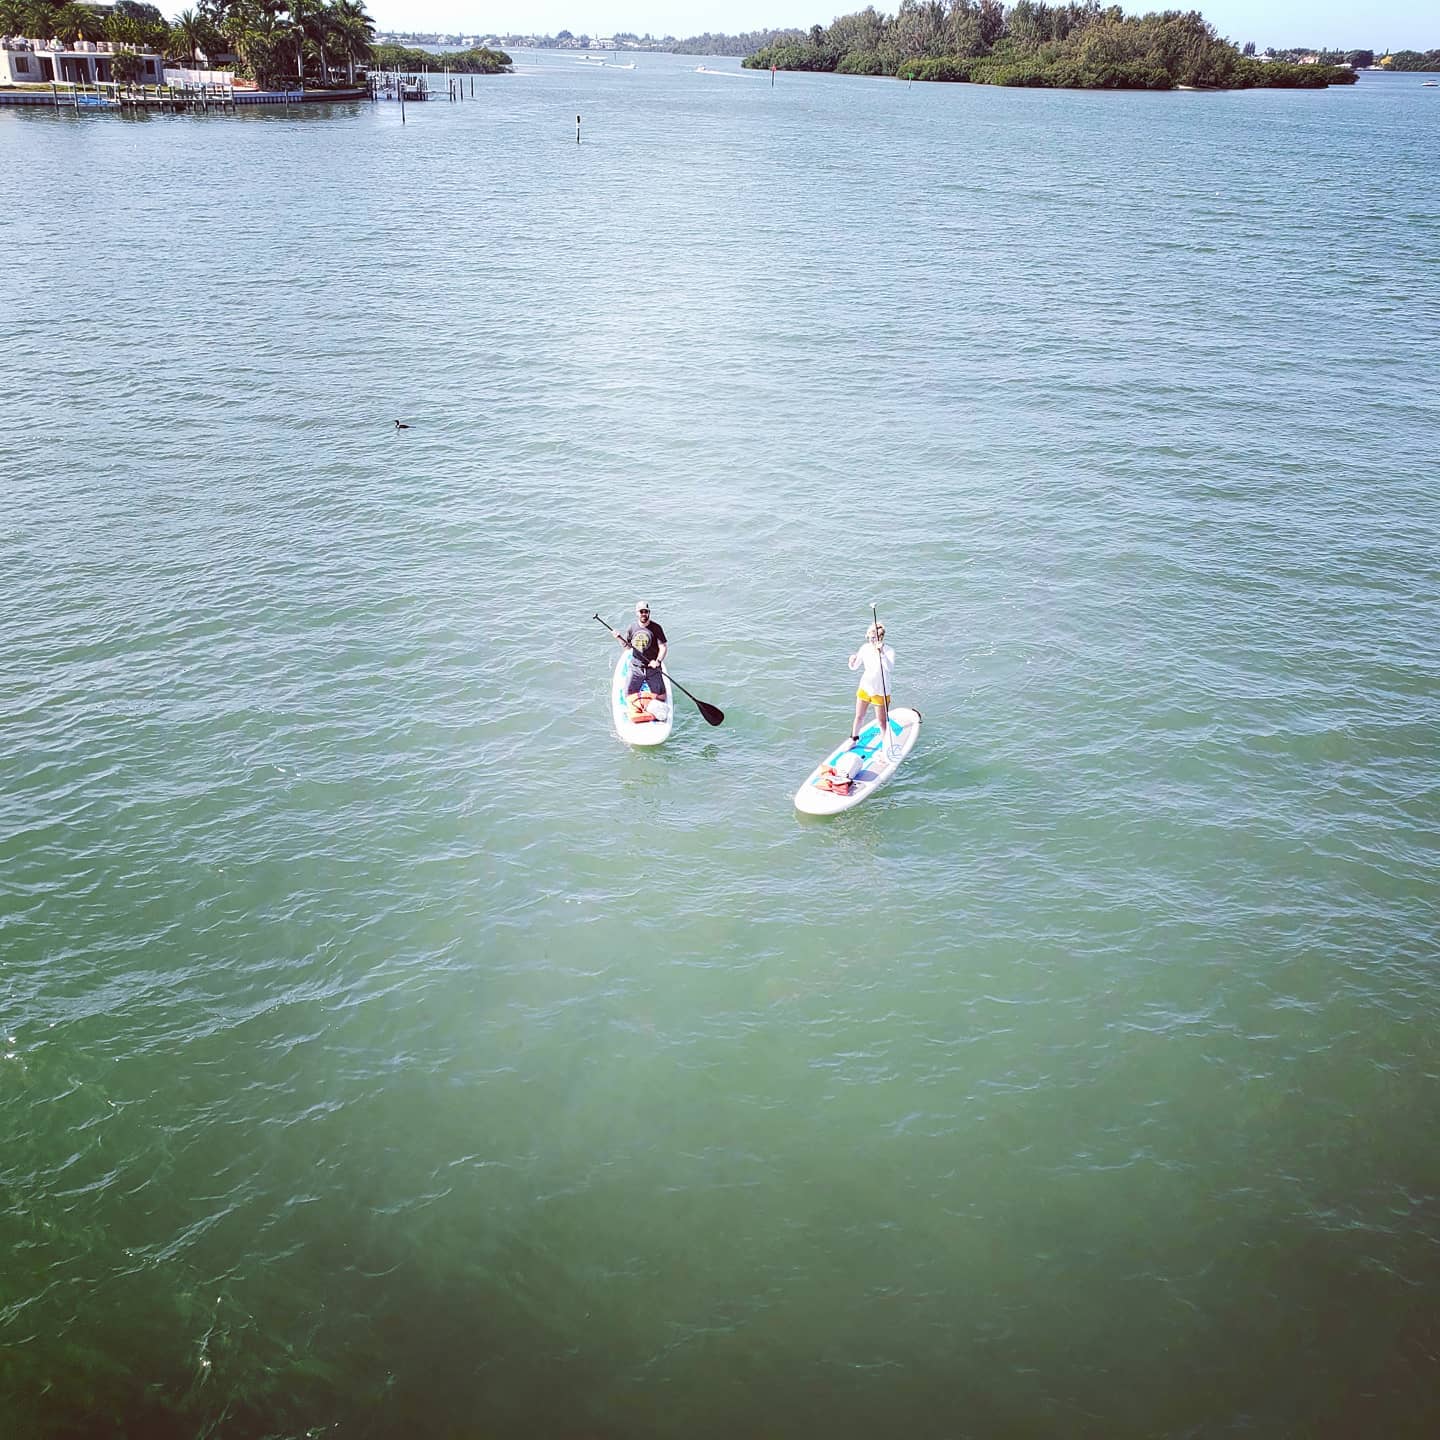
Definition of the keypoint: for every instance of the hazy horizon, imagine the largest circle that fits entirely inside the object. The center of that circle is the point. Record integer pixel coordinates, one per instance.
(1392, 24)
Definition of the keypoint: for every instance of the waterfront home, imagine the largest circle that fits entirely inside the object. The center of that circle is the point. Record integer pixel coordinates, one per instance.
(81, 62)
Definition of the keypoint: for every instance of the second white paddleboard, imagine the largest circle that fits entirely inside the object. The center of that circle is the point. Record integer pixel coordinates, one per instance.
(878, 763)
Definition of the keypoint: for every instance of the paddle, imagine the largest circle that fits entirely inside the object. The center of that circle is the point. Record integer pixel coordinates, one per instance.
(883, 708)
(711, 714)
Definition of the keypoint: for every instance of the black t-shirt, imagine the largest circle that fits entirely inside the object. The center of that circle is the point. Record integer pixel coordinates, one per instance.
(646, 640)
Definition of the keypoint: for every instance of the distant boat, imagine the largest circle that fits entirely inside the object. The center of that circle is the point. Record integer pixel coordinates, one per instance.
(1429, 84)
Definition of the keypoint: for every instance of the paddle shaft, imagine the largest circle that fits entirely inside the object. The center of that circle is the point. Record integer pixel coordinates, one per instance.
(883, 708)
(711, 714)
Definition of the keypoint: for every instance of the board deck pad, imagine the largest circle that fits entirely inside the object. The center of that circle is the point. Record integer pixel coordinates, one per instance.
(652, 732)
(878, 764)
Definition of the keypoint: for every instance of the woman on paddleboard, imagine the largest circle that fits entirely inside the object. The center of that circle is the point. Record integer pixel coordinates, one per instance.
(646, 639)
(876, 662)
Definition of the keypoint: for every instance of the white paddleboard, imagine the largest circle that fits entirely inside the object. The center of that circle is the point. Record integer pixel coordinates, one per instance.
(880, 762)
(648, 732)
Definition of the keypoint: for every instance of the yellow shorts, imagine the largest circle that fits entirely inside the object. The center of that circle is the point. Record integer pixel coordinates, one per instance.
(870, 699)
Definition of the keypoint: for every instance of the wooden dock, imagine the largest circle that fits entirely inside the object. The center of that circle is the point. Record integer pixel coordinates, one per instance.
(191, 99)
(201, 98)
(391, 85)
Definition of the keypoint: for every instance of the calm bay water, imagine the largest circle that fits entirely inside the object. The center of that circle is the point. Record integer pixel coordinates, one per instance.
(389, 1051)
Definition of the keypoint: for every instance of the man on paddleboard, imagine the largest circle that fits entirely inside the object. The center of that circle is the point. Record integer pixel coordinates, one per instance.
(646, 639)
(876, 662)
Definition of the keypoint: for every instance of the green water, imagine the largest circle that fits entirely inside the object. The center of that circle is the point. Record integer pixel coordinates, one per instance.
(389, 1051)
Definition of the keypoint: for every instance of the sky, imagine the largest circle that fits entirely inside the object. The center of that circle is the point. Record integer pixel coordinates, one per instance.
(1329, 24)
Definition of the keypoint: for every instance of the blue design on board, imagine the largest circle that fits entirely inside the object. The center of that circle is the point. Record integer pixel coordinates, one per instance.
(865, 747)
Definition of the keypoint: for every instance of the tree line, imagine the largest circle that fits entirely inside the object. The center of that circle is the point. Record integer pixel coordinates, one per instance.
(1079, 45)
(1415, 60)
(1294, 54)
(709, 43)
(479, 61)
(312, 41)
(745, 44)
(1360, 59)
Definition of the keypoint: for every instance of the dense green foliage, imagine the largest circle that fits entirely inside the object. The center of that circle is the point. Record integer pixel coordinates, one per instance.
(746, 44)
(1073, 46)
(1295, 54)
(317, 42)
(1280, 75)
(126, 67)
(1415, 60)
(709, 43)
(481, 61)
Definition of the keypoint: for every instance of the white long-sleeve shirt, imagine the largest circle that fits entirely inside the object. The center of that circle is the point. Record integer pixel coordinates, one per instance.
(873, 661)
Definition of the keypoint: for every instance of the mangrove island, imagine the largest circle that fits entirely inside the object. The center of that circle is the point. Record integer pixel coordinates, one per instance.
(1070, 47)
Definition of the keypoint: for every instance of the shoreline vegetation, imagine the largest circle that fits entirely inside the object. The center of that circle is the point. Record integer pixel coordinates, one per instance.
(1413, 60)
(1077, 46)
(626, 40)
(478, 60)
(751, 41)
(272, 44)
(319, 44)
(329, 44)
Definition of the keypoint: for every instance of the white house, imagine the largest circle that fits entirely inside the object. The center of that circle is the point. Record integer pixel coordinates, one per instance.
(39, 62)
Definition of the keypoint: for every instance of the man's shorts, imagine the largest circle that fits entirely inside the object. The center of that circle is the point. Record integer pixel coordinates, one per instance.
(653, 678)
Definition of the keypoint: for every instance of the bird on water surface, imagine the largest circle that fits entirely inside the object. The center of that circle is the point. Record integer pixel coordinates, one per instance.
(401, 425)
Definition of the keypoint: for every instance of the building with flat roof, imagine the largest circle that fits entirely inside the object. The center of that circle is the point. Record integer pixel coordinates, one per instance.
(80, 62)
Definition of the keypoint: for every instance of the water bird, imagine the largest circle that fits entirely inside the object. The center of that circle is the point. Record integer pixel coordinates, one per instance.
(401, 425)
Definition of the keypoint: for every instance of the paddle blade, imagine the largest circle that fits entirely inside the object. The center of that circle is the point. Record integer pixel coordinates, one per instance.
(712, 714)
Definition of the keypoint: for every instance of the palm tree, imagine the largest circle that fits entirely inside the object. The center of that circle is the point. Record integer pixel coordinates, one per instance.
(258, 38)
(304, 15)
(189, 34)
(321, 26)
(70, 22)
(354, 31)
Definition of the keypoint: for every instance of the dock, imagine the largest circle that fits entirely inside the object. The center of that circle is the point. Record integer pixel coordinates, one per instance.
(391, 85)
(192, 99)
